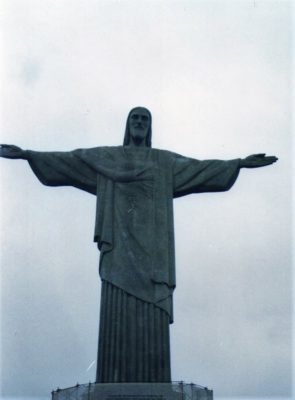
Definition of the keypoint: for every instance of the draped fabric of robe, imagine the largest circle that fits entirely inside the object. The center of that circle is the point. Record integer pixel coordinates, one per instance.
(135, 187)
(133, 339)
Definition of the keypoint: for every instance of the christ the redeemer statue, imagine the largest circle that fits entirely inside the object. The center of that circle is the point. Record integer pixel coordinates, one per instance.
(135, 186)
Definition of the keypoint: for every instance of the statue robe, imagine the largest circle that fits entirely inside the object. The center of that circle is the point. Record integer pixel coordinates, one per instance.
(135, 187)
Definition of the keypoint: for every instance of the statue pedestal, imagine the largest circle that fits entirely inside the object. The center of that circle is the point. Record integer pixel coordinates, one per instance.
(134, 391)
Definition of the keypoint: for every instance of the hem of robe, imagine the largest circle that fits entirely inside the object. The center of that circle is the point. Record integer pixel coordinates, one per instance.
(165, 304)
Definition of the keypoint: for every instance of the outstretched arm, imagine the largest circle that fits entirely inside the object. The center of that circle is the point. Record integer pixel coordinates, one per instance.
(257, 160)
(56, 168)
(194, 176)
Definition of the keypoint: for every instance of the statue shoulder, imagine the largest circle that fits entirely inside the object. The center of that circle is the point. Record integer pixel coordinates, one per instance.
(167, 154)
(101, 151)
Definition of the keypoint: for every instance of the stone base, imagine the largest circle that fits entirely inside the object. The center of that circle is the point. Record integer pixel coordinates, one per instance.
(134, 391)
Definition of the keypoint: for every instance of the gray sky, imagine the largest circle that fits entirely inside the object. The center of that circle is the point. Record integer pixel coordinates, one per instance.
(216, 76)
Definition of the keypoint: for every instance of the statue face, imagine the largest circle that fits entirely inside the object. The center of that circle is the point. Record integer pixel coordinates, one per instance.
(139, 125)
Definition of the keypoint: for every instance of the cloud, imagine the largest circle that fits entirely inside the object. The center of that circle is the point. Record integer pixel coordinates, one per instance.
(30, 73)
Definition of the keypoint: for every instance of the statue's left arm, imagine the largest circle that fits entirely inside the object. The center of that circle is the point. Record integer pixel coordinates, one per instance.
(257, 160)
(195, 176)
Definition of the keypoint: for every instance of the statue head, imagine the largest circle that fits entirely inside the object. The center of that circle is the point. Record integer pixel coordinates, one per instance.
(138, 128)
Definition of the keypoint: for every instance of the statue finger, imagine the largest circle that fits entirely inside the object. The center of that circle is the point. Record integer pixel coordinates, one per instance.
(271, 159)
(260, 155)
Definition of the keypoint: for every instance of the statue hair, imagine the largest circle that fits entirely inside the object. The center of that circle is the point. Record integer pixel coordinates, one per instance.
(148, 139)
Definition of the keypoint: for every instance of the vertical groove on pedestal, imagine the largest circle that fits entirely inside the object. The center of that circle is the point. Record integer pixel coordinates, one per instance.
(133, 339)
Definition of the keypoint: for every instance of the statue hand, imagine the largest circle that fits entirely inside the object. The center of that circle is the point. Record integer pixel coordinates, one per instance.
(257, 160)
(11, 151)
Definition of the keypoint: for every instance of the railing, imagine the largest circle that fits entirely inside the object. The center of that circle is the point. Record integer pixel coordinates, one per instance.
(134, 391)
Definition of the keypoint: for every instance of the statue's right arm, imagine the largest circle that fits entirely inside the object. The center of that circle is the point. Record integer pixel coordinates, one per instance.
(56, 168)
(13, 152)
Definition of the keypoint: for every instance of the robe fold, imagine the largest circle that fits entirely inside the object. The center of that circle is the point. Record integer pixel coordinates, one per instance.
(135, 187)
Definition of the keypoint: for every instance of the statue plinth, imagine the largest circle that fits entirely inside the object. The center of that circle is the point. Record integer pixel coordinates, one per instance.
(134, 391)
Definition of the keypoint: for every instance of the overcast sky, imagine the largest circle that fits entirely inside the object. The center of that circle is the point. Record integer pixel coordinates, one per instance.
(216, 76)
